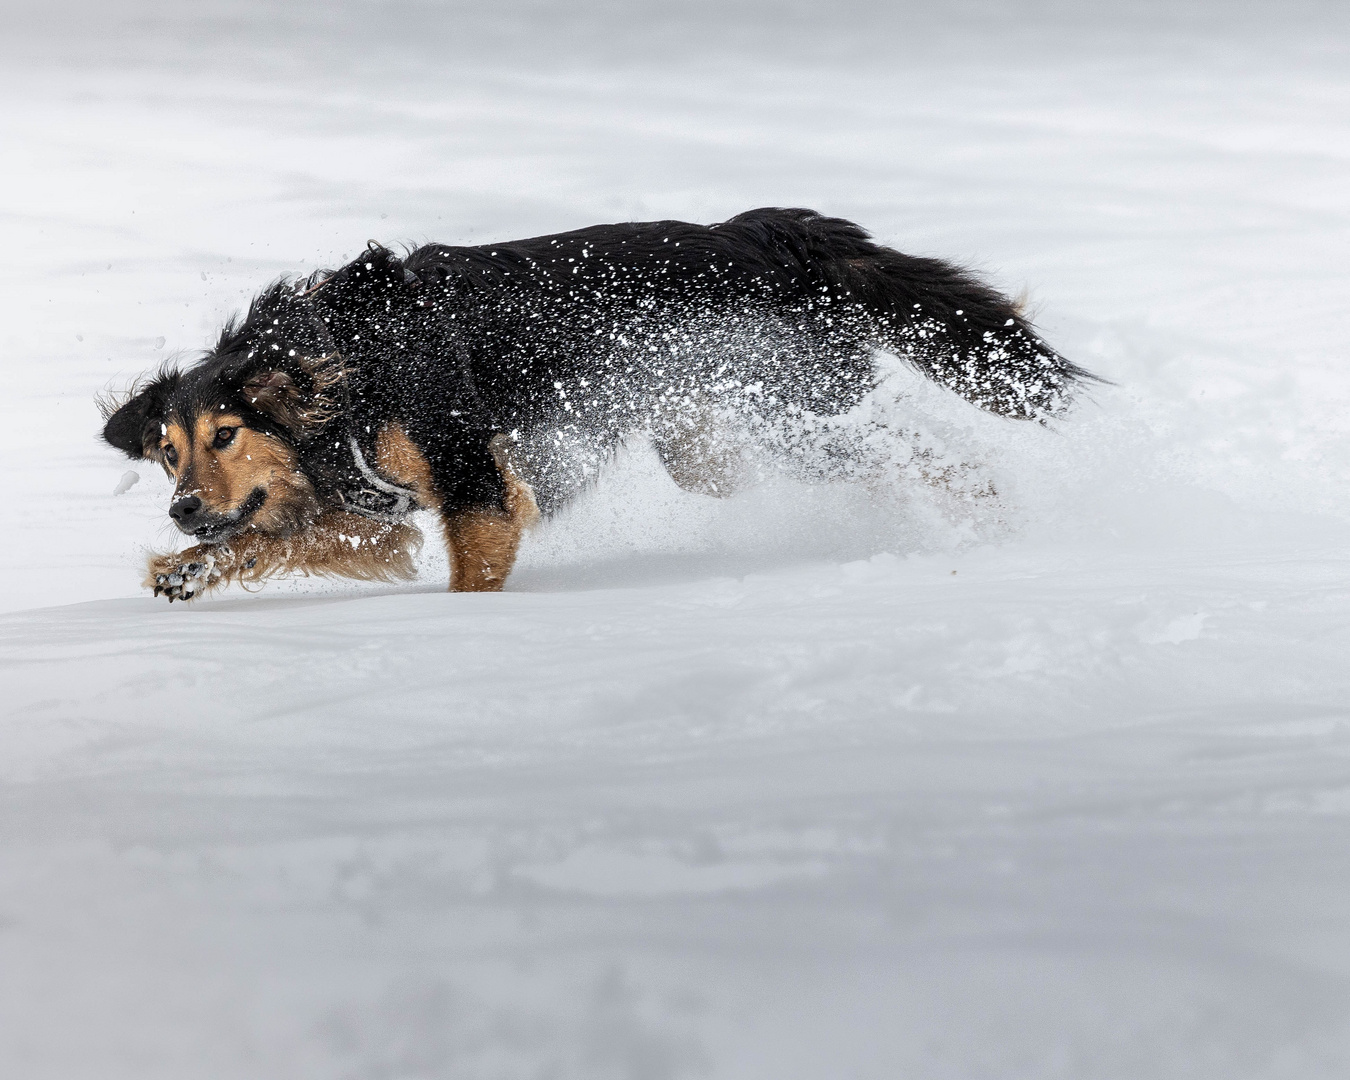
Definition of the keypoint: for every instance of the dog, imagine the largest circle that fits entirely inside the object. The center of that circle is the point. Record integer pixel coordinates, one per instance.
(489, 383)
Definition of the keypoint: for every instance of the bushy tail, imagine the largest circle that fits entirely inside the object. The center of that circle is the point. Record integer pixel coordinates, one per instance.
(941, 318)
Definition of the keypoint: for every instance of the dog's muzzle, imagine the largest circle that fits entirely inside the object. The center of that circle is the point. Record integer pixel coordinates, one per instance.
(189, 515)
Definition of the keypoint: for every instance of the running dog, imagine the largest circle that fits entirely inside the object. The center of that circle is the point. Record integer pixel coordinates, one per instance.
(488, 383)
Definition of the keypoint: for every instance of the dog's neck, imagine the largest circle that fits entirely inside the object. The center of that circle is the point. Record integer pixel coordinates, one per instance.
(371, 495)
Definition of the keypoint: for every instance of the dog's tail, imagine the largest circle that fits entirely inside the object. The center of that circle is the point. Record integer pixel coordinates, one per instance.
(941, 318)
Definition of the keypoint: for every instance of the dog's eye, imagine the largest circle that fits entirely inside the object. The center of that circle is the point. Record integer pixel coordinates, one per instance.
(224, 436)
(171, 455)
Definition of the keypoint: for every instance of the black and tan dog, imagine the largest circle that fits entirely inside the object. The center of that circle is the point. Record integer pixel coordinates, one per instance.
(486, 383)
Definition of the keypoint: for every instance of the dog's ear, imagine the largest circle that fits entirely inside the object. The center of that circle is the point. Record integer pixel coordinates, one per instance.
(274, 392)
(300, 401)
(133, 426)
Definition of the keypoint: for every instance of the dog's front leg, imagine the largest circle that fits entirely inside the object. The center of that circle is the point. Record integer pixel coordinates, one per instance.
(336, 545)
(183, 575)
(483, 542)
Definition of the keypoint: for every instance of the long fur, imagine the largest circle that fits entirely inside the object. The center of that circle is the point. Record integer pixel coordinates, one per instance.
(566, 344)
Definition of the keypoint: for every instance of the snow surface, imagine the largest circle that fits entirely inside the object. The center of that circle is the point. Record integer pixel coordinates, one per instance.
(816, 782)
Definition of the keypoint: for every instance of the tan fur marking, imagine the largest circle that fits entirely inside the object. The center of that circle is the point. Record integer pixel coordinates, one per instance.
(175, 436)
(398, 458)
(483, 543)
(224, 477)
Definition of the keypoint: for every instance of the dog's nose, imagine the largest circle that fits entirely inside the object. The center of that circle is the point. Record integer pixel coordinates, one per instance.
(184, 510)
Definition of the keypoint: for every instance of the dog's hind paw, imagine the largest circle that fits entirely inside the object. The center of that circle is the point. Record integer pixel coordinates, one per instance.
(182, 580)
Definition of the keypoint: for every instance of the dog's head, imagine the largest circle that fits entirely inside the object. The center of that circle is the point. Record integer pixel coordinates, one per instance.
(229, 430)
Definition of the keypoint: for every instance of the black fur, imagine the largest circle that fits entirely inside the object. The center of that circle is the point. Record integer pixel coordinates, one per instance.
(569, 342)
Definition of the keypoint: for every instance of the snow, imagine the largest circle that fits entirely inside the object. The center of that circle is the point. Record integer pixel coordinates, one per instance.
(129, 480)
(812, 782)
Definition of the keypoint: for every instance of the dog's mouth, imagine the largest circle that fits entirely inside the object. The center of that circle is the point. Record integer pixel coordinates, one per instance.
(223, 526)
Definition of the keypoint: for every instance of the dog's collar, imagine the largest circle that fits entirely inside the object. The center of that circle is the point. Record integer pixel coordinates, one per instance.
(371, 495)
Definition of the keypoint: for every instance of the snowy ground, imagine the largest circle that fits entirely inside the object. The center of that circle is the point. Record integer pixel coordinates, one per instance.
(814, 783)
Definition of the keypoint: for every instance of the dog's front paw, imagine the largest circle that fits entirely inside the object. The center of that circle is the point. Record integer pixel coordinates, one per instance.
(184, 575)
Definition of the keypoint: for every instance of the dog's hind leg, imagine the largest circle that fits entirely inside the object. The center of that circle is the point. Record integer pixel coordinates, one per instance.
(703, 454)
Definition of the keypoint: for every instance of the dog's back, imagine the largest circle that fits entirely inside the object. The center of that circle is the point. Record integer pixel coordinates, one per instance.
(577, 338)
